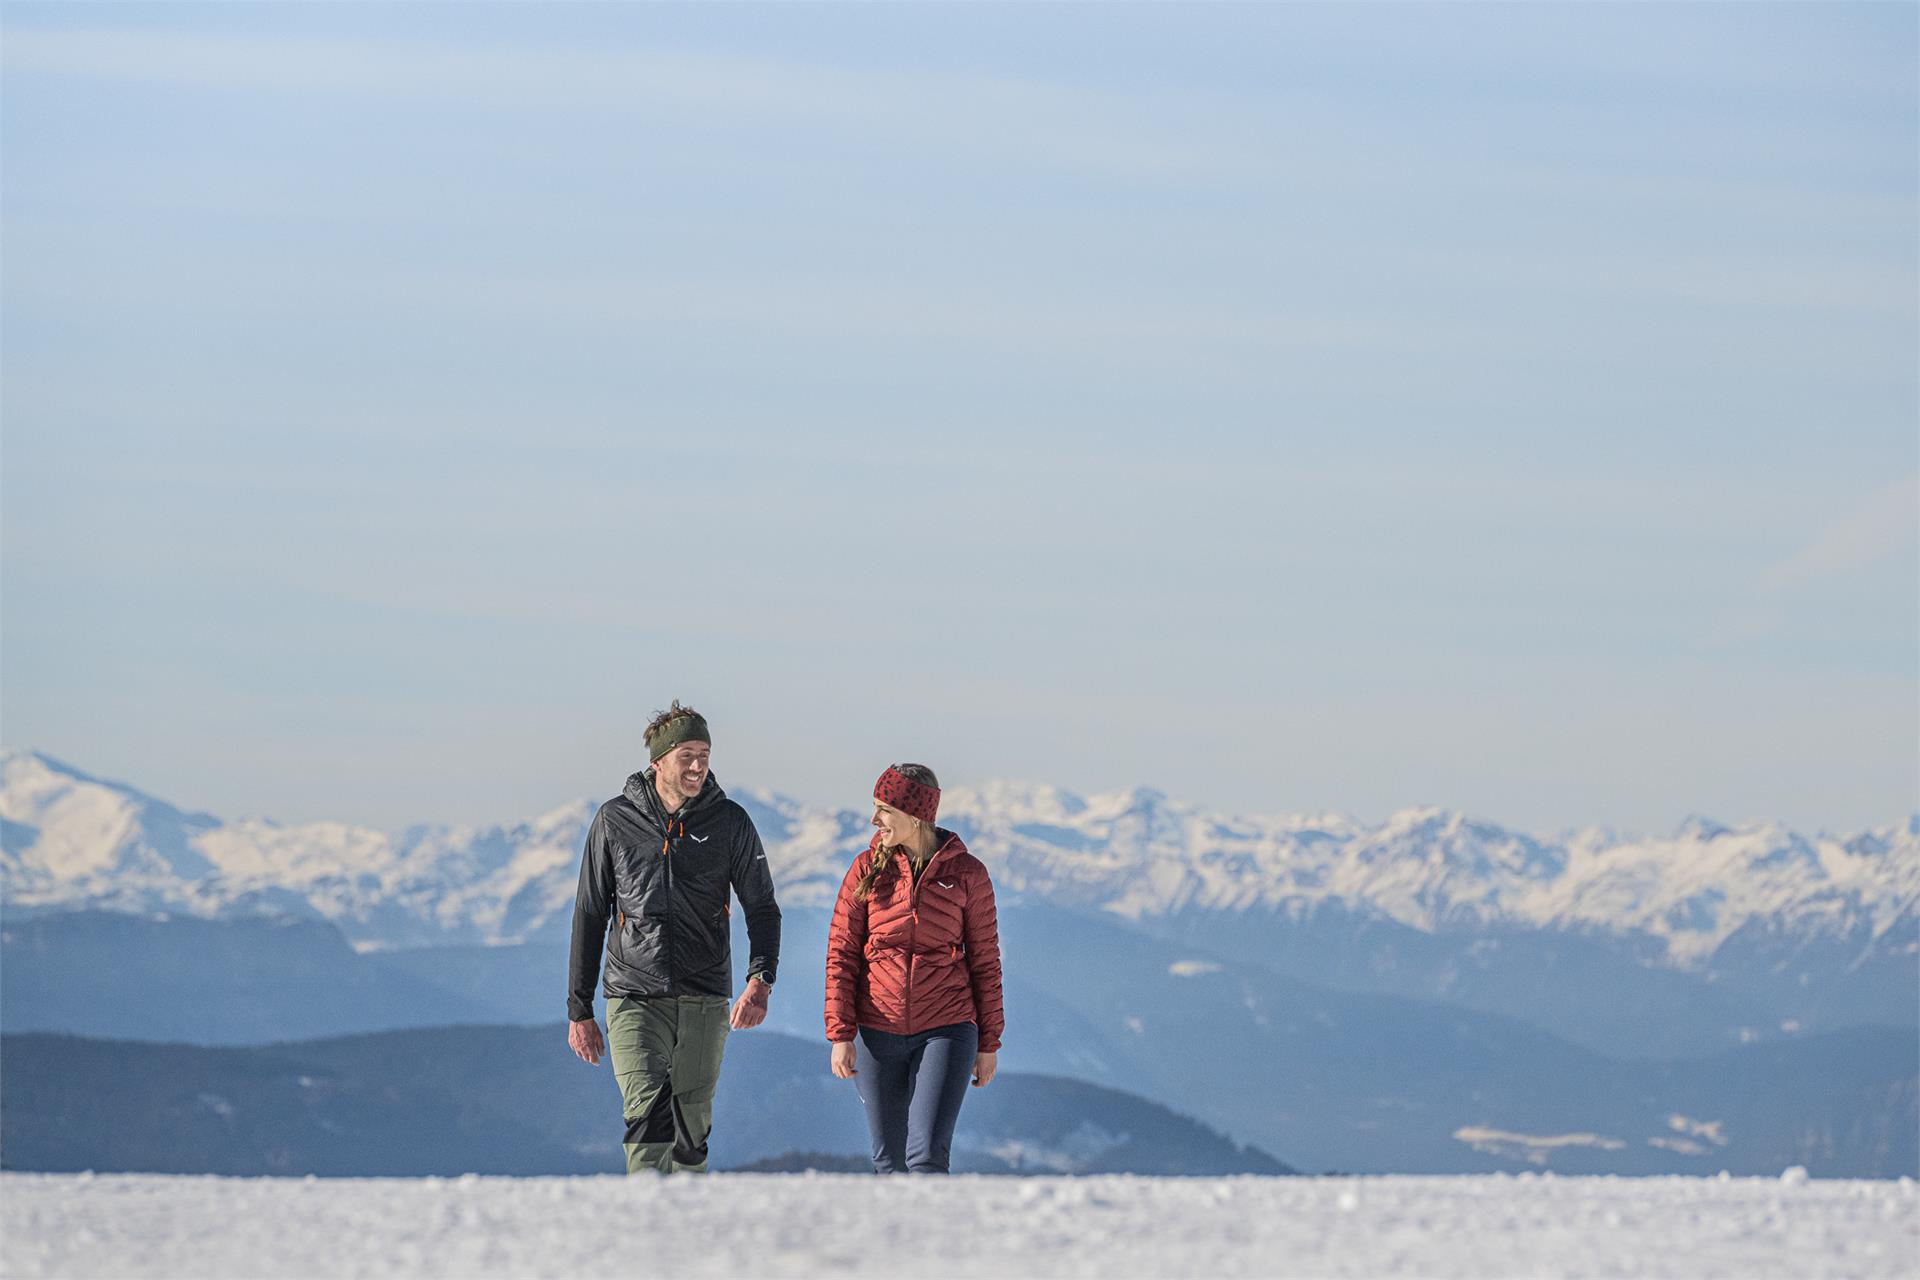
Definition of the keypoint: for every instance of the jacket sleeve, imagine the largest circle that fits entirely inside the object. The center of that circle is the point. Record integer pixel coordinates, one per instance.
(982, 924)
(753, 885)
(846, 956)
(592, 903)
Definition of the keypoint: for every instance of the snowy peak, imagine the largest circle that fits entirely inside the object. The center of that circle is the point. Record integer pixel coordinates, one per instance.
(68, 827)
(1697, 827)
(1019, 801)
(75, 841)
(1429, 867)
(33, 777)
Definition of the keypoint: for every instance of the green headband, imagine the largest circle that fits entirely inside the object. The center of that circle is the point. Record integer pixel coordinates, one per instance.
(691, 727)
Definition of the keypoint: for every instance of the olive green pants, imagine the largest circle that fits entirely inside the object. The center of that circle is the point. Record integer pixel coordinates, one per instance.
(666, 1055)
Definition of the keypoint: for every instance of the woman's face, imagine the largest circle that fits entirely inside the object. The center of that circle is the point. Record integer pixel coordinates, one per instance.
(895, 827)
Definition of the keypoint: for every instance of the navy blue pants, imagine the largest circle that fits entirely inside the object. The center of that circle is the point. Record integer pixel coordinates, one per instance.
(913, 1087)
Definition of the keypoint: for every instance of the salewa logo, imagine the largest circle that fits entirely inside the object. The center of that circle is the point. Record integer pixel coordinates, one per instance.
(943, 884)
(700, 839)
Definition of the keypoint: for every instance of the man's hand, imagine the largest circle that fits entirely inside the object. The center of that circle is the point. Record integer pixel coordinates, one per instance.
(842, 1062)
(750, 1010)
(983, 1069)
(584, 1039)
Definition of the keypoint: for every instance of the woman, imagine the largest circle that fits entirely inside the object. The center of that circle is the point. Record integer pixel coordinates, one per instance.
(913, 976)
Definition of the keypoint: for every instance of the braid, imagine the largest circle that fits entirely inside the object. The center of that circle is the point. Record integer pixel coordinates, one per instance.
(880, 874)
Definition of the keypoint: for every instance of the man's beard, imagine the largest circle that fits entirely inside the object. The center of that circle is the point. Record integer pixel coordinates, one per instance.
(679, 789)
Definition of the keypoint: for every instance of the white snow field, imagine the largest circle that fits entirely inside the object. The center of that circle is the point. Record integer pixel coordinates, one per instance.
(771, 1225)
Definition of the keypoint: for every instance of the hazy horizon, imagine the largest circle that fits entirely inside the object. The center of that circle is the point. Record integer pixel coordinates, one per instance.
(856, 804)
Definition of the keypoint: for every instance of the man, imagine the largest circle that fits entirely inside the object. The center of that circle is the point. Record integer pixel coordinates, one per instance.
(659, 860)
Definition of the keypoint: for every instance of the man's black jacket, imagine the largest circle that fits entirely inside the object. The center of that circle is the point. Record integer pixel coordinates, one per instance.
(660, 883)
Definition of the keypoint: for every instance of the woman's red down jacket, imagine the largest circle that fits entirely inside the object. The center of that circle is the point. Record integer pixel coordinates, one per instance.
(916, 954)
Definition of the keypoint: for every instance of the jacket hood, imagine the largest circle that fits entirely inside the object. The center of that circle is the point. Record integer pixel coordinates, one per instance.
(646, 799)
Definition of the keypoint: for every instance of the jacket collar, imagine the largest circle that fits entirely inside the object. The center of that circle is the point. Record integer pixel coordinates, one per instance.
(947, 845)
(646, 798)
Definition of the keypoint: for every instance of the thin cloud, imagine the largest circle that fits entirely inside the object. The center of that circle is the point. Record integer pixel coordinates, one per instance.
(1061, 127)
(1883, 524)
(1886, 522)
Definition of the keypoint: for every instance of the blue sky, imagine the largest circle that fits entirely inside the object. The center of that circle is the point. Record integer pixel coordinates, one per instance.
(1291, 407)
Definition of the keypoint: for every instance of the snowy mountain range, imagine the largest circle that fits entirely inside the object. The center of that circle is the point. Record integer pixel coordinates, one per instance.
(72, 841)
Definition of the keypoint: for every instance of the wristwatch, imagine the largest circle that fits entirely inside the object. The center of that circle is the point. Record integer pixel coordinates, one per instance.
(763, 977)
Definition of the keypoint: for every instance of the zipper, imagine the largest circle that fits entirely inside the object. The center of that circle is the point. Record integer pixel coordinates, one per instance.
(913, 923)
(666, 866)
(925, 873)
(913, 934)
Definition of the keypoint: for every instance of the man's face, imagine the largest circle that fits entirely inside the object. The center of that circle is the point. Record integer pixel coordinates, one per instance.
(685, 767)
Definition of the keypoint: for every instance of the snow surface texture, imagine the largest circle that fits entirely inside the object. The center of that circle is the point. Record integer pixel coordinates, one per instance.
(770, 1225)
(75, 841)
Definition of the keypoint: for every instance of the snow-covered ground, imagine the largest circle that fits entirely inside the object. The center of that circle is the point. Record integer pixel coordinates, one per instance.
(766, 1225)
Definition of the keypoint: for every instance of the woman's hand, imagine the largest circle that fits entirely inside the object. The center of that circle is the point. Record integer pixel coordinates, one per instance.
(842, 1063)
(984, 1065)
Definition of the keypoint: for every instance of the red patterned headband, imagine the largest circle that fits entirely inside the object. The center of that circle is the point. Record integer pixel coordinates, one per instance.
(903, 793)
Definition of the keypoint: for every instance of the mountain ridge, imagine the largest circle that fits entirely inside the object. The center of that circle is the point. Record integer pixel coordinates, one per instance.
(512, 1100)
(74, 841)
